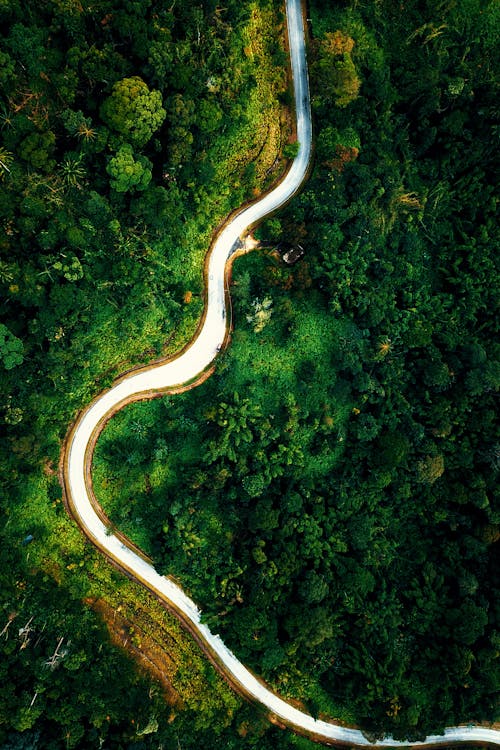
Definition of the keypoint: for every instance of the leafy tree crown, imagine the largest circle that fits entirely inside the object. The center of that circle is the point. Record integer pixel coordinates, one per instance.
(133, 110)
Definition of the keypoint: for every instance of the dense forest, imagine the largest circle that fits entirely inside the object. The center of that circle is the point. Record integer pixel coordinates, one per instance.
(339, 530)
(328, 496)
(128, 131)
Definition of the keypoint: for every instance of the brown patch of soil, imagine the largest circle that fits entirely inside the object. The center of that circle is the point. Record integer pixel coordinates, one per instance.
(126, 631)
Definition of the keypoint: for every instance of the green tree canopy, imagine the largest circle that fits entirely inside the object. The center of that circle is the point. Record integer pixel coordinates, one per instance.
(336, 71)
(11, 348)
(133, 110)
(129, 173)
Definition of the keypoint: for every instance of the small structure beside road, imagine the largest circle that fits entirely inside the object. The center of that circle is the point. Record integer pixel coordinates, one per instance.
(290, 252)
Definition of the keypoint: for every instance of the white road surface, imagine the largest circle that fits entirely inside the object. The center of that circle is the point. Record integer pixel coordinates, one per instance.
(189, 364)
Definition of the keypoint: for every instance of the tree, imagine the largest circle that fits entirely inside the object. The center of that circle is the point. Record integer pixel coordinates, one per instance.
(338, 78)
(37, 149)
(392, 449)
(11, 348)
(313, 588)
(27, 45)
(133, 110)
(72, 171)
(430, 468)
(208, 115)
(6, 159)
(129, 173)
(467, 623)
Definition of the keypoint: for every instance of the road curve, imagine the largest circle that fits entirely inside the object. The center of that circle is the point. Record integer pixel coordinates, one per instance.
(169, 376)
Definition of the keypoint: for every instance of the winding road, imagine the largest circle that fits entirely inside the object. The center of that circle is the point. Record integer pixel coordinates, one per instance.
(185, 369)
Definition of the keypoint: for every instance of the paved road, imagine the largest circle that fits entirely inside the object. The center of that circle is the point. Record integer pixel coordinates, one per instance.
(194, 360)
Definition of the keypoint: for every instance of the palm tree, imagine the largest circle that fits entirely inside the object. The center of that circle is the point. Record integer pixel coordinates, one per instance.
(86, 131)
(72, 171)
(6, 274)
(6, 159)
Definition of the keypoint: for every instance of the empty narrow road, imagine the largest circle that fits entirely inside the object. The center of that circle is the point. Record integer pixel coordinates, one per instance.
(195, 359)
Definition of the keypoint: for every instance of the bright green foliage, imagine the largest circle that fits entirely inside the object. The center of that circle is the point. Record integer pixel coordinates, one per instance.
(133, 110)
(129, 173)
(70, 267)
(11, 348)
